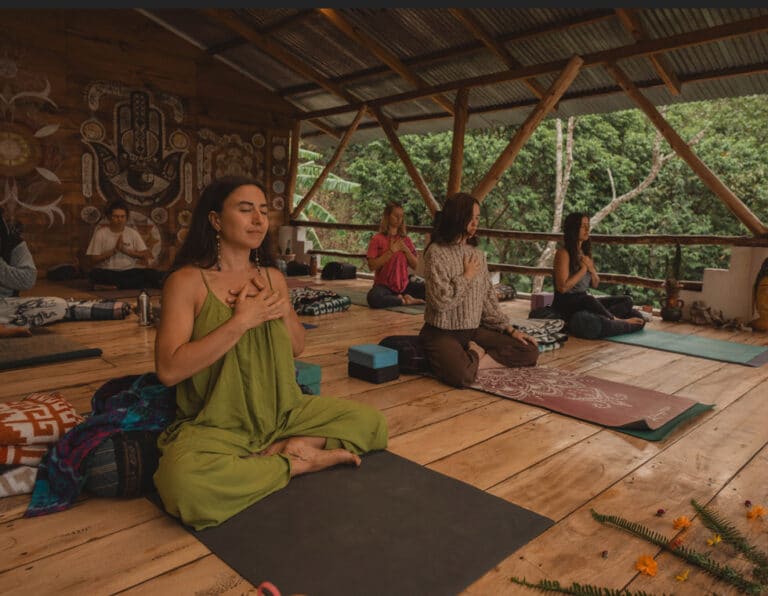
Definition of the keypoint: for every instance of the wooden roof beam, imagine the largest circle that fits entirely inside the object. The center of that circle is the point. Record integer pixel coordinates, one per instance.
(457, 143)
(330, 165)
(413, 172)
(739, 209)
(527, 128)
(293, 169)
(761, 68)
(474, 26)
(636, 50)
(339, 21)
(460, 51)
(631, 21)
(232, 22)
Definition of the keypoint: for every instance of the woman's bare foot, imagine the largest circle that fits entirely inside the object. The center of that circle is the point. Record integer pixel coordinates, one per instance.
(477, 349)
(306, 457)
(408, 299)
(487, 361)
(279, 446)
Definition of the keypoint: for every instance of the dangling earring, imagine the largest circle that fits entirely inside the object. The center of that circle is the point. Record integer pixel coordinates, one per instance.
(218, 252)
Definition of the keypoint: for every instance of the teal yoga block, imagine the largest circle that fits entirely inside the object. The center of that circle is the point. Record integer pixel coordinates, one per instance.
(373, 355)
(308, 374)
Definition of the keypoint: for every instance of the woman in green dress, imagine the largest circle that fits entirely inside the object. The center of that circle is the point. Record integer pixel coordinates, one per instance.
(227, 339)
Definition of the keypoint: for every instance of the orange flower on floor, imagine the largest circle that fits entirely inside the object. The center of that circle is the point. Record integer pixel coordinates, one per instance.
(647, 565)
(715, 540)
(680, 523)
(675, 543)
(756, 512)
(683, 576)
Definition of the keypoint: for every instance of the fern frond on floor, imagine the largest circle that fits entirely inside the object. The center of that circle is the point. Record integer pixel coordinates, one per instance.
(546, 585)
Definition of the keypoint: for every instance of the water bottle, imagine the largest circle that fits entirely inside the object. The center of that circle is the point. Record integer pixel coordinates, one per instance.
(142, 308)
(313, 265)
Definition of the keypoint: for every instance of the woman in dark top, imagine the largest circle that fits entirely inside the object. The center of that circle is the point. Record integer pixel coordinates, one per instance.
(574, 273)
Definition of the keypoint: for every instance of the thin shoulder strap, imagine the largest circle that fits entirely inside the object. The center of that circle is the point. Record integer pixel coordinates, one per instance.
(269, 279)
(205, 280)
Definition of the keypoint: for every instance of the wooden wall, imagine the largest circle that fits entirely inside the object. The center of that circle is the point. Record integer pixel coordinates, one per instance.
(215, 119)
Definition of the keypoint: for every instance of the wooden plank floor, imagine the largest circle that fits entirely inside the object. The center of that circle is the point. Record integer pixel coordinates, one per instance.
(557, 466)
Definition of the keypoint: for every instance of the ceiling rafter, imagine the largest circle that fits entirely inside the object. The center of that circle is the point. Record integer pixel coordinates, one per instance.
(741, 71)
(630, 19)
(460, 51)
(348, 28)
(475, 27)
(636, 50)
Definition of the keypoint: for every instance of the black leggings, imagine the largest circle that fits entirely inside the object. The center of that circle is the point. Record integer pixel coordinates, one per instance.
(606, 306)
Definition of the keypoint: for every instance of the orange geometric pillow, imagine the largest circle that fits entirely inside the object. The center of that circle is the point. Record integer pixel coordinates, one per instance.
(39, 418)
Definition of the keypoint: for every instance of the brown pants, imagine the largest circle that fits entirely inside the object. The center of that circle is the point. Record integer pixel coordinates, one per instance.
(454, 364)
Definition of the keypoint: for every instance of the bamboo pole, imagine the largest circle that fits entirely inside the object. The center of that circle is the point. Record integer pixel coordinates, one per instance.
(421, 186)
(293, 169)
(457, 145)
(739, 209)
(331, 163)
(644, 239)
(507, 157)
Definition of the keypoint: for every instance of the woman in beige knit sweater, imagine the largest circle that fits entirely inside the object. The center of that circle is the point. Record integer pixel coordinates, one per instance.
(464, 328)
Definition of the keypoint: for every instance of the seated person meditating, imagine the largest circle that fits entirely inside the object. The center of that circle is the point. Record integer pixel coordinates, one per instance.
(119, 255)
(18, 272)
(464, 329)
(226, 340)
(574, 273)
(390, 253)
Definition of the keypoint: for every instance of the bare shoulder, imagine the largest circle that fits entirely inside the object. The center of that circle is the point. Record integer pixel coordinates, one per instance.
(277, 278)
(187, 281)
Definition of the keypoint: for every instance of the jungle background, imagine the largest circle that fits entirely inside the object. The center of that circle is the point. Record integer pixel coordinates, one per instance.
(614, 162)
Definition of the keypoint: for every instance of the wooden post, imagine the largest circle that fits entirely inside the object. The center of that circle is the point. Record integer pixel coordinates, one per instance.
(461, 112)
(525, 131)
(331, 164)
(293, 168)
(421, 186)
(739, 209)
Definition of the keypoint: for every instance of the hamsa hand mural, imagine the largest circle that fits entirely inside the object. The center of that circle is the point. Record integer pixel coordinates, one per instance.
(141, 163)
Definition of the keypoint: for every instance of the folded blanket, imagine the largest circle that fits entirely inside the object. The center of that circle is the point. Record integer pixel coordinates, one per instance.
(128, 403)
(17, 480)
(28, 427)
(545, 331)
(96, 310)
(314, 301)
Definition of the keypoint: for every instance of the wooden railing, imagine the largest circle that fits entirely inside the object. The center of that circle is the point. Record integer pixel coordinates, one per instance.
(611, 278)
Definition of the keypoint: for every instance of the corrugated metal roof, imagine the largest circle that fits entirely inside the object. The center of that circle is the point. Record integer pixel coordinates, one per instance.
(436, 46)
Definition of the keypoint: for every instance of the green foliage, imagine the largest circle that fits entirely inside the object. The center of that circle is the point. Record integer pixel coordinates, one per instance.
(546, 585)
(677, 203)
(731, 535)
(701, 560)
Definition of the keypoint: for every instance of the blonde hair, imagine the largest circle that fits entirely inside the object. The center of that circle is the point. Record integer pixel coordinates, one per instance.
(384, 225)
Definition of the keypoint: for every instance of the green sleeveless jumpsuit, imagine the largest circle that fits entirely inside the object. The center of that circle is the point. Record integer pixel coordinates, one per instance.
(242, 403)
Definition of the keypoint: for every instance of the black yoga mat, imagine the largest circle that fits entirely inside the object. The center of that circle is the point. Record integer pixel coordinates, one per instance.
(41, 348)
(390, 526)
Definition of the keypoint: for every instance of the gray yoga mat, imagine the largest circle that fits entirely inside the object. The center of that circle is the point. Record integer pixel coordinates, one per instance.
(390, 526)
(359, 298)
(41, 348)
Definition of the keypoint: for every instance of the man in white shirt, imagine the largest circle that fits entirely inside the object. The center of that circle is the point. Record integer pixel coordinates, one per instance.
(119, 255)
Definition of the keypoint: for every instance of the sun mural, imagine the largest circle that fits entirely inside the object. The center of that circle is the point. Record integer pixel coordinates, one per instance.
(28, 152)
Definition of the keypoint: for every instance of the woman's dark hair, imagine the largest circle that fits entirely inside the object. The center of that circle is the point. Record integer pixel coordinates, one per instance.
(452, 221)
(199, 247)
(758, 278)
(571, 230)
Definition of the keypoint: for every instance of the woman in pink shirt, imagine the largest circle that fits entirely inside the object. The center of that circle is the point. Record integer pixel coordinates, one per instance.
(390, 253)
